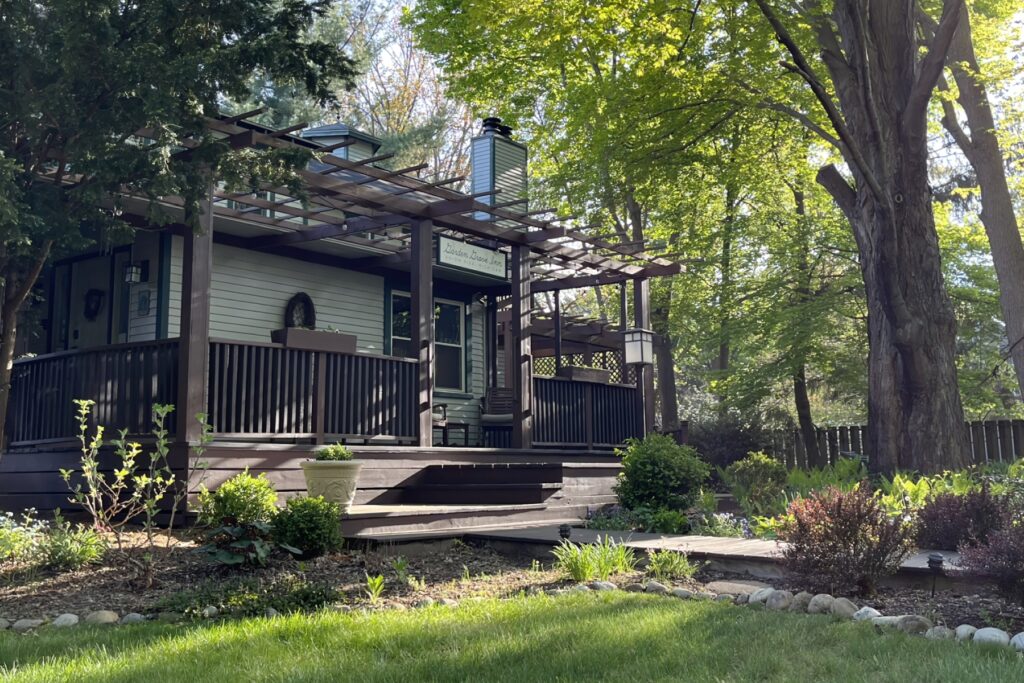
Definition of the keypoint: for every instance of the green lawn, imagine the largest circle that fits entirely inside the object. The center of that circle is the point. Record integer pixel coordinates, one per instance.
(615, 637)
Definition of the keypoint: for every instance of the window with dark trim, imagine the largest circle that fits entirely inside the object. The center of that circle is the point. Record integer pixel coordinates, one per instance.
(449, 338)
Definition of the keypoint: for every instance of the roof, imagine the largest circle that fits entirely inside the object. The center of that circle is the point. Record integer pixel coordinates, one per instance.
(334, 130)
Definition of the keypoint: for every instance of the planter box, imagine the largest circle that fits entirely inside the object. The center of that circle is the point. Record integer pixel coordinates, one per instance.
(334, 480)
(314, 340)
(578, 374)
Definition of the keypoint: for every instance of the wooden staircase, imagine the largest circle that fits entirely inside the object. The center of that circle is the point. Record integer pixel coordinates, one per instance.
(484, 483)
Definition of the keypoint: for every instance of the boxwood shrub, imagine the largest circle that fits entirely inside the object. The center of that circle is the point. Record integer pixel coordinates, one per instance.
(658, 473)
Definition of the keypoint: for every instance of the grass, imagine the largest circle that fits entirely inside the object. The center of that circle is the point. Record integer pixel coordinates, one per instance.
(594, 637)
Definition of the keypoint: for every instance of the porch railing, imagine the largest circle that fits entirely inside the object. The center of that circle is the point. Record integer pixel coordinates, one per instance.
(583, 414)
(125, 381)
(263, 390)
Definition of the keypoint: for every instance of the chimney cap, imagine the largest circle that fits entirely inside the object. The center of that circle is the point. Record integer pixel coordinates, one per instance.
(493, 124)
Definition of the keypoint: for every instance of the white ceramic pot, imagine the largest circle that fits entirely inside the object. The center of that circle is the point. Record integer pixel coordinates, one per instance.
(335, 480)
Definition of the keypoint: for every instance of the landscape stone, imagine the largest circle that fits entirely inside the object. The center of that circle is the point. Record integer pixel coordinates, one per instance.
(102, 617)
(965, 632)
(990, 635)
(704, 596)
(682, 593)
(843, 608)
(939, 633)
(725, 597)
(735, 587)
(449, 602)
(656, 587)
(210, 612)
(1017, 642)
(760, 596)
(132, 618)
(26, 625)
(553, 592)
(580, 588)
(425, 602)
(866, 613)
(779, 600)
(800, 602)
(742, 599)
(271, 612)
(820, 604)
(4, 624)
(603, 586)
(913, 624)
(634, 588)
(65, 620)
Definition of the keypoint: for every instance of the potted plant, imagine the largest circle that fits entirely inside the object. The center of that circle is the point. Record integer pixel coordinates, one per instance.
(332, 474)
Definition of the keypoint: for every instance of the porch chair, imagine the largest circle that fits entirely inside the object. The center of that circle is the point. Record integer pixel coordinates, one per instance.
(498, 405)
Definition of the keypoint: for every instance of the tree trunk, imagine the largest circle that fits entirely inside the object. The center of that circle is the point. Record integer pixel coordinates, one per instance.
(8, 338)
(725, 282)
(882, 89)
(665, 360)
(808, 433)
(981, 147)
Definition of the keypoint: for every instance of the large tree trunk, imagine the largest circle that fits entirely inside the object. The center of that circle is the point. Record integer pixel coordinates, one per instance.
(802, 402)
(981, 147)
(664, 358)
(879, 116)
(808, 433)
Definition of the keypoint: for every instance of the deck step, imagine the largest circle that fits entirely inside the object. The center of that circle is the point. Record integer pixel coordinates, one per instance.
(407, 521)
(492, 473)
(464, 494)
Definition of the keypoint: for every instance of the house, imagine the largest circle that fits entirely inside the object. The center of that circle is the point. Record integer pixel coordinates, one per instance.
(390, 313)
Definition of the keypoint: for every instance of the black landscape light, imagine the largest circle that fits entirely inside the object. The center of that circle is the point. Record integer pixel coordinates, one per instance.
(935, 564)
(565, 531)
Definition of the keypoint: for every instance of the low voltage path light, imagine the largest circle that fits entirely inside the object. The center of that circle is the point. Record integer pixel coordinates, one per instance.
(935, 563)
(565, 531)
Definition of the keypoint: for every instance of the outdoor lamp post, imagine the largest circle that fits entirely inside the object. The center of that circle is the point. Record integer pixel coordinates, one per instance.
(638, 345)
(935, 562)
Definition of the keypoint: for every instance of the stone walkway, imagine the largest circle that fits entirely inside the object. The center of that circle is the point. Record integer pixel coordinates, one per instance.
(698, 547)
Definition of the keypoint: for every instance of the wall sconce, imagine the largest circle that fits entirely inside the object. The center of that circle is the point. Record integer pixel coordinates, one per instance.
(639, 346)
(134, 273)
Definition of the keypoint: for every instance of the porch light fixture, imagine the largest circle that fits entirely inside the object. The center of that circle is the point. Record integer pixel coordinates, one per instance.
(639, 345)
(132, 273)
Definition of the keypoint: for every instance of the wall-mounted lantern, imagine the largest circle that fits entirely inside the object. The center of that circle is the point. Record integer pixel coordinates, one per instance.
(639, 346)
(134, 273)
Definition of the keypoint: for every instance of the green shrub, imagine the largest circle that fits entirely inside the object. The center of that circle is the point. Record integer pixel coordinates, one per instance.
(838, 540)
(615, 518)
(845, 474)
(665, 521)
(20, 537)
(67, 547)
(757, 483)
(312, 525)
(724, 524)
(670, 564)
(335, 452)
(247, 545)
(241, 500)
(659, 473)
(251, 596)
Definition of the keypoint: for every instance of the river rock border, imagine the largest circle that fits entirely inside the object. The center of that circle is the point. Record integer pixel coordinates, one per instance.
(767, 598)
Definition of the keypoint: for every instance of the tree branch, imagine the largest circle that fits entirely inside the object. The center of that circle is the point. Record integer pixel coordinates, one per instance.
(914, 116)
(845, 196)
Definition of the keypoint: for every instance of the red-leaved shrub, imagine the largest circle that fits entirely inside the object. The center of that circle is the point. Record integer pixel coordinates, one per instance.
(1001, 559)
(948, 521)
(844, 540)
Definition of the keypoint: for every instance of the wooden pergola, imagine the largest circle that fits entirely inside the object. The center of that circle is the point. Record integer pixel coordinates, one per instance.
(392, 217)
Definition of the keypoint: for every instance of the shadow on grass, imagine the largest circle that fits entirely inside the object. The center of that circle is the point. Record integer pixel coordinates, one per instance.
(587, 637)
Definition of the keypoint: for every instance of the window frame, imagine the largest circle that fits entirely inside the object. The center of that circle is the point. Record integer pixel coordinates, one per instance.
(461, 305)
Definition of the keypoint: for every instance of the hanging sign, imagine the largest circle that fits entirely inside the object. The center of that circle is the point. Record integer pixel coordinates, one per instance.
(471, 257)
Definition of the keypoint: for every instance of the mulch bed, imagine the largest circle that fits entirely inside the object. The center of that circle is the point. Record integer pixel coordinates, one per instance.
(447, 569)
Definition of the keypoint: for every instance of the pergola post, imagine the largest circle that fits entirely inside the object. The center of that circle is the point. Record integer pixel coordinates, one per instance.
(194, 335)
(558, 333)
(521, 369)
(644, 373)
(492, 340)
(422, 292)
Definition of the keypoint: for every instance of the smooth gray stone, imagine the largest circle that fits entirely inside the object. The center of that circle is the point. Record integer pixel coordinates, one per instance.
(820, 604)
(65, 620)
(866, 613)
(26, 625)
(990, 635)
(965, 632)
(843, 608)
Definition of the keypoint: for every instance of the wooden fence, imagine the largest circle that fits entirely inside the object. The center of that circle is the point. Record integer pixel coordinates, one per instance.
(988, 441)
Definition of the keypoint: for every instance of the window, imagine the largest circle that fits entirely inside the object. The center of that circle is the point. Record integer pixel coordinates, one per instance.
(449, 339)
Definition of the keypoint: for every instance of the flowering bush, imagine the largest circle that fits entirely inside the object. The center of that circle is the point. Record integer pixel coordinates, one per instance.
(844, 539)
(20, 536)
